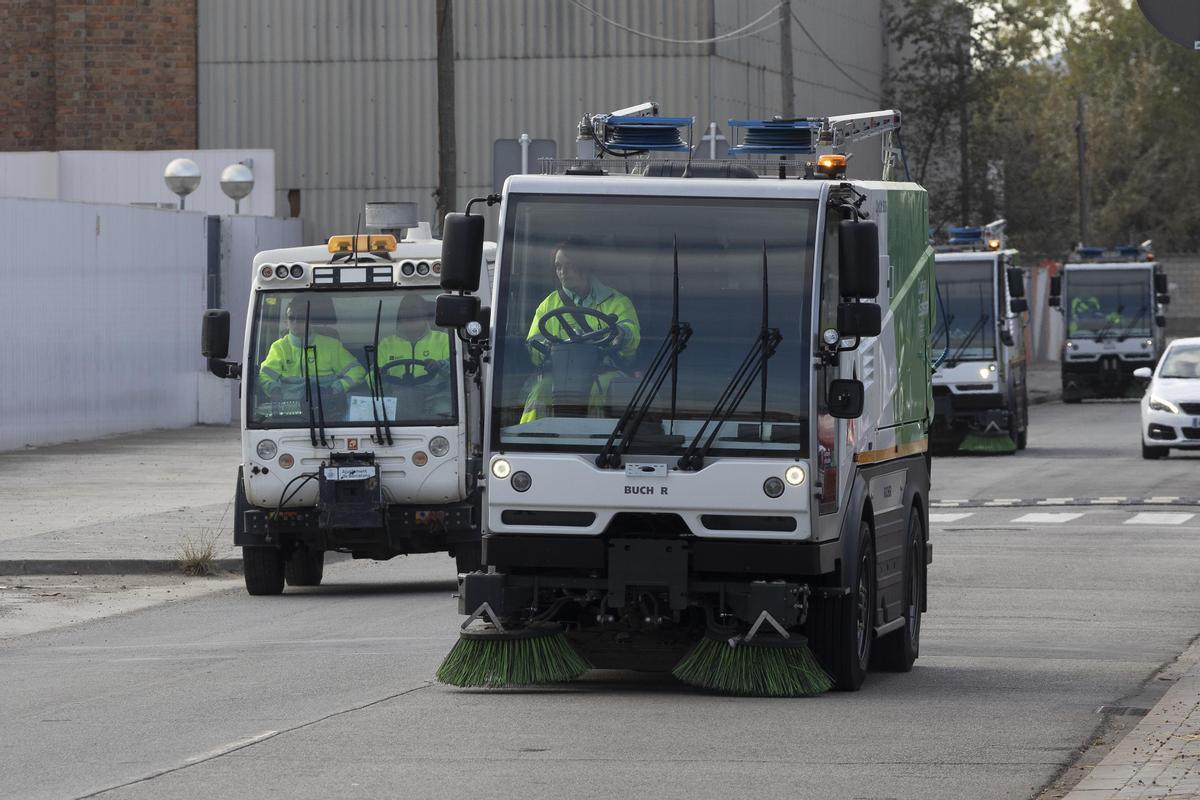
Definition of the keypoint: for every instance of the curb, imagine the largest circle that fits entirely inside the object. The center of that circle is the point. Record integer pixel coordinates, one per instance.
(102, 566)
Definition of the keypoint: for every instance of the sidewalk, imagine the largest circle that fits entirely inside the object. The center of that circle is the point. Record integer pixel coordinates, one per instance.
(125, 504)
(1161, 756)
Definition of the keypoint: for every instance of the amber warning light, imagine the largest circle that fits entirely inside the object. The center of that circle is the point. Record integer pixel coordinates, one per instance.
(362, 243)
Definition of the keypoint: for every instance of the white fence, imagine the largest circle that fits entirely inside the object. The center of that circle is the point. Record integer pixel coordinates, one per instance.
(100, 310)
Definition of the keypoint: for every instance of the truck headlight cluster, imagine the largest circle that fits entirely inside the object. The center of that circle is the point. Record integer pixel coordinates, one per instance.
(521, 481)
(439, 446)
(773, 487)
(794, 475)
(501, 468)
(266, 449)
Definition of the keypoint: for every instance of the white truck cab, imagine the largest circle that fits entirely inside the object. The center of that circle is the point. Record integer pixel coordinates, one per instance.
(1112, 303)
(357, 409)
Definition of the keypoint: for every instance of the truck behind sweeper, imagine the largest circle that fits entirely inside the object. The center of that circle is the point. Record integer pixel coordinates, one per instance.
(706, 439)
(1112, 304)
(981, 402)
(359, 430)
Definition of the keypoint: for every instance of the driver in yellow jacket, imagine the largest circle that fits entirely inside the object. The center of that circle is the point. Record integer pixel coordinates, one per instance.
(330, 364)
(578, 287)
(419, 355)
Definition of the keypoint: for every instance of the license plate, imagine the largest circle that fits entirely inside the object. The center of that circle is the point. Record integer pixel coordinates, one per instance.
(349, 473)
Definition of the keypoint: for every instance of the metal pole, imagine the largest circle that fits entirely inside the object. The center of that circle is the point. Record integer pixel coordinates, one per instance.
(1081, 134)
(524, 141)
(712, 141)
(447, 155)
(788, 99)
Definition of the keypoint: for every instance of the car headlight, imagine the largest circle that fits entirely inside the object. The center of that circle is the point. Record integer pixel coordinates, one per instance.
(439, 446)
(794, 475)
(501, 468)
(985, 373)
(1161, 404)
(266, 449)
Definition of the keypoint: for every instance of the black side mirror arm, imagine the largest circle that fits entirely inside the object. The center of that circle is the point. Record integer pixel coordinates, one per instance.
(230, 370)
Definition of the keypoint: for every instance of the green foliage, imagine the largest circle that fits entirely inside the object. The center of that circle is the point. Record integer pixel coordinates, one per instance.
(753, 671)
(496, 662)
(992, 132)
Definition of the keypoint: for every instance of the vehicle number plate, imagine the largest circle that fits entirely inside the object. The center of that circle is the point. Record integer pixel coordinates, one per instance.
(349, 473)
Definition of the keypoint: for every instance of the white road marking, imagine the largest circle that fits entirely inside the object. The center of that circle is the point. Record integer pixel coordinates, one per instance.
(1159, 518)
(1161, 499)
(1108, 501)
(1003, 501)
(950, 517)
(229, 748)
(1048, 517)
(1056, 501)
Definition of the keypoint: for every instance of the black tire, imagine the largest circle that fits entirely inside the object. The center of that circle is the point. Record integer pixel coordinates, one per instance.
(263, 568)
(1072, 399)
(468, 557)
(1154, 453)
(840, 629)
(305, 567)
(1023, 433)
(897, 651)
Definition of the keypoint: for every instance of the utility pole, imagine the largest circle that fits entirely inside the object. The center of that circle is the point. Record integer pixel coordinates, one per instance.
(964, 116)
(447, 155)
(788, 104)
(1081, 135)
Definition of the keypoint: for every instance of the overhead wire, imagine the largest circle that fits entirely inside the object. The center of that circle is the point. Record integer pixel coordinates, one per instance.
(748, 29)
(830, 59)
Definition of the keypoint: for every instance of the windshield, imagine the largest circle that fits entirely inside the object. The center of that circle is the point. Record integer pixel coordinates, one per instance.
(968, 310)
(415, 359)
(585, 301)
(1181, 361)
(1108, 302)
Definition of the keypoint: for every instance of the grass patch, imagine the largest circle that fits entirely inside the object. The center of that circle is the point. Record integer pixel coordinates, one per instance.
(197, 555)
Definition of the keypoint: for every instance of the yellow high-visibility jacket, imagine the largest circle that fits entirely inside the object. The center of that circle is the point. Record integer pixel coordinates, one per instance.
(332, 364)
(433, 346)
(602, 298)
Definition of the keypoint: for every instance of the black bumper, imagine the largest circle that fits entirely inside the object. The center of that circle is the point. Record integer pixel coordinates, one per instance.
(404, 529)
(959, 413)
(1107, 376)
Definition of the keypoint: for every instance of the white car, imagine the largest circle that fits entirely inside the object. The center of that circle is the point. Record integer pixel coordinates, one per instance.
(1171, 405)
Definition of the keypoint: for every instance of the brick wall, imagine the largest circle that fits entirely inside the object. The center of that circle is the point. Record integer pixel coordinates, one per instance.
(98, 75)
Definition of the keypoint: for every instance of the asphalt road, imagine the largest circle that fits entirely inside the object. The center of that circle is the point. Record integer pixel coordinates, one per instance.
(1034, 624)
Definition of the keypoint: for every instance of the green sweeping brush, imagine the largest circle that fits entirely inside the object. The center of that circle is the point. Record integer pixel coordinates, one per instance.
(767, 666)
(491, 657)
(990, 442)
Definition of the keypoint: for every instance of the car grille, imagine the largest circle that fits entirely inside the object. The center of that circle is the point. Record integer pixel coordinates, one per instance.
(1191, 433)
(1190, 408)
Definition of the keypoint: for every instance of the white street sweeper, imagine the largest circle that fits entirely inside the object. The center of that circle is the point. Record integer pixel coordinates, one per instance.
(706, 440)
(360, 421)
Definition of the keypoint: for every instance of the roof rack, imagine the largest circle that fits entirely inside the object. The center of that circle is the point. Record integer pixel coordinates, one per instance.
(984, 238)
(1131, 252)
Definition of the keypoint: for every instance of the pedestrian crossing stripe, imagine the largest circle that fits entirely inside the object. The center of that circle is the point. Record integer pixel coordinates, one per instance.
(1159, 518)
(1063, 517)
(1049, 517)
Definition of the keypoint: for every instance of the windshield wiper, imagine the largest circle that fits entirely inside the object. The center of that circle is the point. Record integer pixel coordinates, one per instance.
(308, 384)
(765, 344)
(377, 385)
(975, 330)
(1124, 334)
(1108, 325)
(665, 361)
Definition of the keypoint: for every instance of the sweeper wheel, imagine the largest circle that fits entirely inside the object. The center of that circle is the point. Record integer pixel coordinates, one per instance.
(841, 628)
(897, 651)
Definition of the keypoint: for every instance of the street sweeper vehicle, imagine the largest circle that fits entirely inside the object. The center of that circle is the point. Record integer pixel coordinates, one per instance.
(980, 398)
(359, 430)
(706, 443)
(1112, 302)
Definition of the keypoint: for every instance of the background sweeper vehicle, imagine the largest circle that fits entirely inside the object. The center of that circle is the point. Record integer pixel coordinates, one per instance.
(358, 431)
(979, 393)
(711, 449)
(1112, 303)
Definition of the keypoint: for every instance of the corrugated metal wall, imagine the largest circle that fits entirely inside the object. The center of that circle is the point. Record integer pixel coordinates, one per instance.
(345, 90)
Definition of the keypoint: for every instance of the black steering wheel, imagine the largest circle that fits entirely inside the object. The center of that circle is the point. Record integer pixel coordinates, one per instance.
(573, 330)
(409, 378)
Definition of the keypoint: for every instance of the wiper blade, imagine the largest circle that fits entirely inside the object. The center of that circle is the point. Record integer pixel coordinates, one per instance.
(665, 361)
(1124, 334)
(308, 384)
(975, 330)
(764, 346)
(1108, 325)
(377, 385)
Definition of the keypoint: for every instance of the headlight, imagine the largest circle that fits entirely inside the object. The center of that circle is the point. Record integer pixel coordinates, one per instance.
(521, 481)
(281, 271)
(266, 449)
(297, 270)
(439, 446)
(1160, 404)
(419, 459)
(501, 468)
(1071, 345)
(985, 373)
(267, 271)
(773, 487)
(794, 475)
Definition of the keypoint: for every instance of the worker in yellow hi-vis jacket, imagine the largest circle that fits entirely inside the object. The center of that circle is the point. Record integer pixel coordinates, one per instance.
(582, 310)
(330, 364)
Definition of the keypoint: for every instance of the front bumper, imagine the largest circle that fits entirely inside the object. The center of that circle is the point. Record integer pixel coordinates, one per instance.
(1106, 376)
(955, 414)
(402, 530)
(1164, 429)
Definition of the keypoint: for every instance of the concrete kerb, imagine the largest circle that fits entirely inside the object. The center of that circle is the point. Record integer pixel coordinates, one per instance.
(103, 566)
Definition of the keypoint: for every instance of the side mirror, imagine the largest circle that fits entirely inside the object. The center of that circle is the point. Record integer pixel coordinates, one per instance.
(859, 319)
(455, 310)
(1007, 338)
(1160, 283)
(214, 333)
(845, 399)
(1145, 373)
(1163, 299)
(462, 252)
(1018, 305)
(1160, 321)
(1016, 281)
(858, 259)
